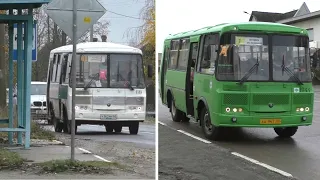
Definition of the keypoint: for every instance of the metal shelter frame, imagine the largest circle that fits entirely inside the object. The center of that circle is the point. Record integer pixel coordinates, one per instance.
(25, 24)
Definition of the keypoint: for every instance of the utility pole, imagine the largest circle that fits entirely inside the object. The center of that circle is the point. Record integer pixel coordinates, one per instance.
(73, 75)
(91, 34)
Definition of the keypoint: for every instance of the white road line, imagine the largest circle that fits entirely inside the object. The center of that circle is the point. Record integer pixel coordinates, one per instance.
(96, 156)
(262, 164)
(163, 124)
(195, 137)
(101, 158)
(127, 131)
(85, 151)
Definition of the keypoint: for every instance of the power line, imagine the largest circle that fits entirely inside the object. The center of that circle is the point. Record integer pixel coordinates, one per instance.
(129, 16)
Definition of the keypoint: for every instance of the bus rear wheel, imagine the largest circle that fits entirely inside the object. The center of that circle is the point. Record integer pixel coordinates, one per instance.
(286, 132)
(210, 131)
(58, 127)
(176, 114)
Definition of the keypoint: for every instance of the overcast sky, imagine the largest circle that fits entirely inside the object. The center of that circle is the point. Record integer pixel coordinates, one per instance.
(119, 24)
(174, 16)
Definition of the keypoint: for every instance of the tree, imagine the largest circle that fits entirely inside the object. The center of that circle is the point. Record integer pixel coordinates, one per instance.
(145, 34)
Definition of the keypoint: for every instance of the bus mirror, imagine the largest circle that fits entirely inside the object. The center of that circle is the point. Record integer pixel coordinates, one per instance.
(150, 69)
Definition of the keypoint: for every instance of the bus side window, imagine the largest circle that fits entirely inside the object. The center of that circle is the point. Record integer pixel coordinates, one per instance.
(54, 68)
(68, 64)
(183, 54)
(207, 62)
(58, 68)
(64, 68)
(174, 54)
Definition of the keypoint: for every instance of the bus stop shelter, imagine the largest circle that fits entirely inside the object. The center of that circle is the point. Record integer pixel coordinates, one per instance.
(24, 22)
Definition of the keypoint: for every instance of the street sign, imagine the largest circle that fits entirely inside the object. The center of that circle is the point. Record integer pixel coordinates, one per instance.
(88, 13)
(34, 44)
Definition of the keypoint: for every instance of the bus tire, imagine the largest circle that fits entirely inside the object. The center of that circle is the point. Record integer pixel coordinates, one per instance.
(286, 132)
(69, 127)
(210, 131)
(109, 128)
(176, 114)
(58, 127)
(134, 128)
(117, 128)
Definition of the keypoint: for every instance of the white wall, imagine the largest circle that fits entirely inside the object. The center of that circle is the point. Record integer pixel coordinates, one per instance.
(312, 23)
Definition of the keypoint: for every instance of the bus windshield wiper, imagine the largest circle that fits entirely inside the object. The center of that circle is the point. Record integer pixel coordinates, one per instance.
(129, 84)
(289, 72)
(248, 74)
(90, 82)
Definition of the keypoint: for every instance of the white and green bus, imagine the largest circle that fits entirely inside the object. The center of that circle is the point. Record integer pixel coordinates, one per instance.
(110, 87)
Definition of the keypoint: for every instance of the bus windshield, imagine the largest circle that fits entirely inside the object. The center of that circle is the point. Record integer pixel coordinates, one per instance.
(251, 52)
(110, 71)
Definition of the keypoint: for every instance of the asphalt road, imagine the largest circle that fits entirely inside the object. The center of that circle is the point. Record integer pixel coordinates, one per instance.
(136, 152)
(299, 156)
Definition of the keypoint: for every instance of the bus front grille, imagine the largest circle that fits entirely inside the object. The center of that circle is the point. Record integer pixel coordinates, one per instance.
(263, 99)
(97, 100)
(302, 99)
(235, 99)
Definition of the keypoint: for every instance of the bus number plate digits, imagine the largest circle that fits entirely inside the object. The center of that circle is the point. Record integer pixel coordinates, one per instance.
(108, 117)
(270, 121)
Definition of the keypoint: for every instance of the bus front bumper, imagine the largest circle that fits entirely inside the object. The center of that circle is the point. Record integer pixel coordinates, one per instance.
(104, 116)
(261, 121)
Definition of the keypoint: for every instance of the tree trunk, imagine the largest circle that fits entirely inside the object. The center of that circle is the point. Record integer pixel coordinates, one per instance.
(2, 67)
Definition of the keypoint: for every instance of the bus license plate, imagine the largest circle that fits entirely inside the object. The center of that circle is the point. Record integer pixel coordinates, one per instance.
(108, 117)
(270, 121)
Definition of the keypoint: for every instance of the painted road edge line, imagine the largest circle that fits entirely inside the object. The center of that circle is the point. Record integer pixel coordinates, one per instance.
(101, 158)
(96, 156)
(85, 151)
(195, 137)
(163, 124)
(262, 164)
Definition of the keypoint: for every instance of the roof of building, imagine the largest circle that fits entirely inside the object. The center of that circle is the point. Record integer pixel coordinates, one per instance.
(270, 16)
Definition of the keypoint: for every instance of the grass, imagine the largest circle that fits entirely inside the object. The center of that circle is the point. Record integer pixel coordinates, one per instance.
(59, 166)
(10, 160)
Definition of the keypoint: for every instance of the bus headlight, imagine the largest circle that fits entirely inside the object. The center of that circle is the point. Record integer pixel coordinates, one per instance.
(307, 109)
(228, 109)
(135, 108)
(83, 107)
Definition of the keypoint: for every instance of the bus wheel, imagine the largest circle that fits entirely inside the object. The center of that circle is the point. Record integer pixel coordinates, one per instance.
(176, 114)
(69, 130)
(56, 124)
(117, 128)
(134, 128)
(286, 132)
(209, 130)
(109, 128)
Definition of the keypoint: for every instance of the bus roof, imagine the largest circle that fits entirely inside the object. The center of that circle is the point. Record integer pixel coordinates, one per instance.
(244, 26)
(98, 47)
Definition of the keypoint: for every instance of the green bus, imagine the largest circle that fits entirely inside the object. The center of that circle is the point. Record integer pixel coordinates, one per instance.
(251, 74)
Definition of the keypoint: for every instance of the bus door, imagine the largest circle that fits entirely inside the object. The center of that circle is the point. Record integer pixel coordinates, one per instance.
(163, 71)
(190, 74)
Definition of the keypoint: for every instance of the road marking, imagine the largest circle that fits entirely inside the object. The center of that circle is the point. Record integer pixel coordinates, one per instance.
(96, 156)
(85, 151)
(193, 136)
(101, 158)
(141, 132)
(262, 164)
(163, 124)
